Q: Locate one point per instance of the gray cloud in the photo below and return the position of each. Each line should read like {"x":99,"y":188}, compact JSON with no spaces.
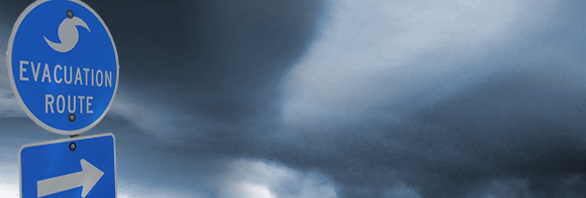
{"x":372,"y":99}
{"x":219,"y":62}
{"x":466,"y":100}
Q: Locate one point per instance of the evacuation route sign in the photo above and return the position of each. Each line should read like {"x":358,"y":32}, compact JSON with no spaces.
{"x":74,"y":167}
{"x":63,"y":65}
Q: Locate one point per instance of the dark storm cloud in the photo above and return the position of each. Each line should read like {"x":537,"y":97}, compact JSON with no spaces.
{"x":513,"y":128}
{"x":208,"y":46}
{"x":206,"y":73}
{"x":220,"y":61}
{"x":525,"y":125}
{"x":475,"y":110}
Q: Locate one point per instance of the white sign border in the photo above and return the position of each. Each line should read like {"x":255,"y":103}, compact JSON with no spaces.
{"x":12,"y":82}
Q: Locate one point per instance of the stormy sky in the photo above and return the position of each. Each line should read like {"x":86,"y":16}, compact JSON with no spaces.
{"x":336,"y":98}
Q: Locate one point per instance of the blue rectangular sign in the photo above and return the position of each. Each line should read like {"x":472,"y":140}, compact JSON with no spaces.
{"x":74,"y":167}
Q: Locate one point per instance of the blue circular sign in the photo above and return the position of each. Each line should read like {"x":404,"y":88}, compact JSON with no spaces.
{"x":63,"y":65}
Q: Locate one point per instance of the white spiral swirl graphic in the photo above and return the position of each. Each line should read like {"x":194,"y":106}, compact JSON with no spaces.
{"x":68,"y":34}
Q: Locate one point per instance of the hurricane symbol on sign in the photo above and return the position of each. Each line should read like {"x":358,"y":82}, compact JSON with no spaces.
{"x":68,"y":34}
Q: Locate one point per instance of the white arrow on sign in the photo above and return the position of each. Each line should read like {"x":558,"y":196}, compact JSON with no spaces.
{"x":87,"y":178}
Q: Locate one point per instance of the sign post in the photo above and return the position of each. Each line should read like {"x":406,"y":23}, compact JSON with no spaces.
{"x":63,"y":68}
